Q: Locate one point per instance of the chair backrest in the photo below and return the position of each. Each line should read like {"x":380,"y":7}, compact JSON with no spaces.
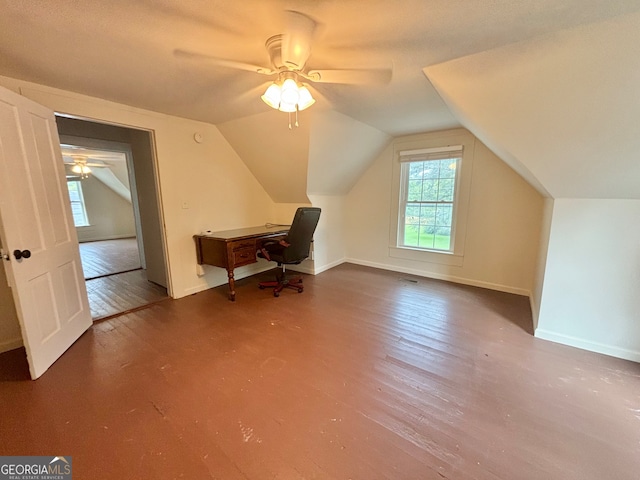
{"x":300,"y":234}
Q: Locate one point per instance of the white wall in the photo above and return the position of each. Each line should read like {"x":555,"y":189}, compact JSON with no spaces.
{"x":207,"y":178}
{"x":591,"y":296}
{"x":545,"y":231}
{"x":503,"y":226}
{"x":329,"y":247}
{"x":110,"y":216}
{"x":329,"y":243}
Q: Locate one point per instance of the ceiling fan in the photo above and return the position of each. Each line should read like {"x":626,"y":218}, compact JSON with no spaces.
{"x":81,"y":165}
{"x":289,"y":53}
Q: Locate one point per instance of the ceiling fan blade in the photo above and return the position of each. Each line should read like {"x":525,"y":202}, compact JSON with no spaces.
{"x":222,"y":62}
{"x":380,"y":76}
{"x":296,"y":41}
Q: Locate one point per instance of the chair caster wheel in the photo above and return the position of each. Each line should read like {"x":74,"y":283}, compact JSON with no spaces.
{"x":261,"y":287}
{"x":276,"y":294}
{"x":299,"y":290}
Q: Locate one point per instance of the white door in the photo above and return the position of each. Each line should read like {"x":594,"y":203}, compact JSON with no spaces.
{"x":47,"y":281}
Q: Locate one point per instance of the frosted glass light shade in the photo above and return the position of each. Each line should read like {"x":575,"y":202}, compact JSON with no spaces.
{"x":81,"y":169}
{"x":290,"y":96}
{"x":272,"y":96}
{"x":290,"y":92}
{"x":305,"y":98}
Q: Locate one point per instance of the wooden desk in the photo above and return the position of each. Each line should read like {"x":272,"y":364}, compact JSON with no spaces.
{"x":234,"y":248}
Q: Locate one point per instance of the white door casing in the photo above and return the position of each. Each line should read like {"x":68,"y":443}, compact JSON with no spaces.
{"x":48,"y":287}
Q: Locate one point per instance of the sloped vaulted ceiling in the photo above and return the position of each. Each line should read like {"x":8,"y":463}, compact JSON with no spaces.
{"x":277,"y":157}
{"x":340,"y":150}
{"x":562,"y":109}
{"x":325,"y":155}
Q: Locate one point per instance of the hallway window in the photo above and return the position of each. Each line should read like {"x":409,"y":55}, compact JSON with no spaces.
{"x":78,"y":208}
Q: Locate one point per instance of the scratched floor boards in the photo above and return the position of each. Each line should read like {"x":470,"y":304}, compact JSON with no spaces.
{"x":366,"y":375}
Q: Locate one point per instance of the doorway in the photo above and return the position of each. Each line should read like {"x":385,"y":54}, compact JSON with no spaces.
{"x":113,"y":191}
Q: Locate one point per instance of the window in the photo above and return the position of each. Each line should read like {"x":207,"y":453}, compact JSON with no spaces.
{"x":427,"y":203}
{"x":78,"y":208}
{"x":431,"y":186}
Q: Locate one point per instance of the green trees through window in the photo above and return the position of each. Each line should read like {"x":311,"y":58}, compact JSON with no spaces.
{"x":429,"y":193}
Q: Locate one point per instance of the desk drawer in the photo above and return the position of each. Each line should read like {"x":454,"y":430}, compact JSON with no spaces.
{"x":244,"y":256}
{"x":243,"y":253}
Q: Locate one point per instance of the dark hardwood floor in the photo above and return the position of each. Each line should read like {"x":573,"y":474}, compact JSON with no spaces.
{"x":114,"y":278}
{"x":366,"y":375}
{"x":122,"y":292}
{"x":107,"y":257}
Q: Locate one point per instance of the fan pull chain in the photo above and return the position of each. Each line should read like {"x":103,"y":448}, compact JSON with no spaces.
{"x":296,"y":124}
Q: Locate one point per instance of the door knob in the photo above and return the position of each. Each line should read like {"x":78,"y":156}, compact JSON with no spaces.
{"x":21,"y":254}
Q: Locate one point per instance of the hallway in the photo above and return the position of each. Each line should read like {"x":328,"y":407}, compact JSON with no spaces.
{"x":108,"y":257}
{"x":115,"y":280}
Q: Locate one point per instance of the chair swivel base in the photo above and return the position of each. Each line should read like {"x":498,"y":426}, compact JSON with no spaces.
{"x":294,"y":283}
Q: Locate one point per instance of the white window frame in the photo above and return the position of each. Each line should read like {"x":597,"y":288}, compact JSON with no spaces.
{"x":85,"y":222}
{"x":408,"y":147}
{"x":407,"y":158}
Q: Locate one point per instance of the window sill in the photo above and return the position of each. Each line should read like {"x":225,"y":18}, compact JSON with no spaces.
{"x":429,"y":256}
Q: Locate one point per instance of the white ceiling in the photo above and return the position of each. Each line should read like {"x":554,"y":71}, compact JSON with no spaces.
{"x":508,"y":70}
{"x":122,"y":50}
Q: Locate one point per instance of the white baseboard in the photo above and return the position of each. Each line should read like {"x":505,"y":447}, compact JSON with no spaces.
{"x":252,"y":270}
{"x":103,"y":238}
{"x":589,"y":345}
{"x":329,"y":266}
{"x":313,"y":269}
{"x":11,"y":344}
{"x":439,"y":276}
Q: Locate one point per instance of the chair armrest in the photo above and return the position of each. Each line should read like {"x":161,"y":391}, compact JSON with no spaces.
{"x":264,"y":247}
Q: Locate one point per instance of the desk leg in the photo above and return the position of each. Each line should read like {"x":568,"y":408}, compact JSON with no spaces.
{"x":232,"y":285}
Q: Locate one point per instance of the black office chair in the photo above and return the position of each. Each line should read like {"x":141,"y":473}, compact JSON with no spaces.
{"x":291,"y":250}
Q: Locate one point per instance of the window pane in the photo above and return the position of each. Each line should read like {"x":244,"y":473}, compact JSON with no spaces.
{"x":414,"y":191}
{"x":445,"y":190}
{"x":415,"y":170}
{"x":428,"y":215}
{"x":78,"y":209}
{"x":431,"y":169}
{"x":412,"y":215}
{"x":427,"y":237}
{"x":73,"y":191}
{"x":411,"y":235}
{"x":430,"y":190}
{"x":428,"y":206}
{"x":443,"y":215}
{"x":443,"y":238}
{"x":448,"y":168}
